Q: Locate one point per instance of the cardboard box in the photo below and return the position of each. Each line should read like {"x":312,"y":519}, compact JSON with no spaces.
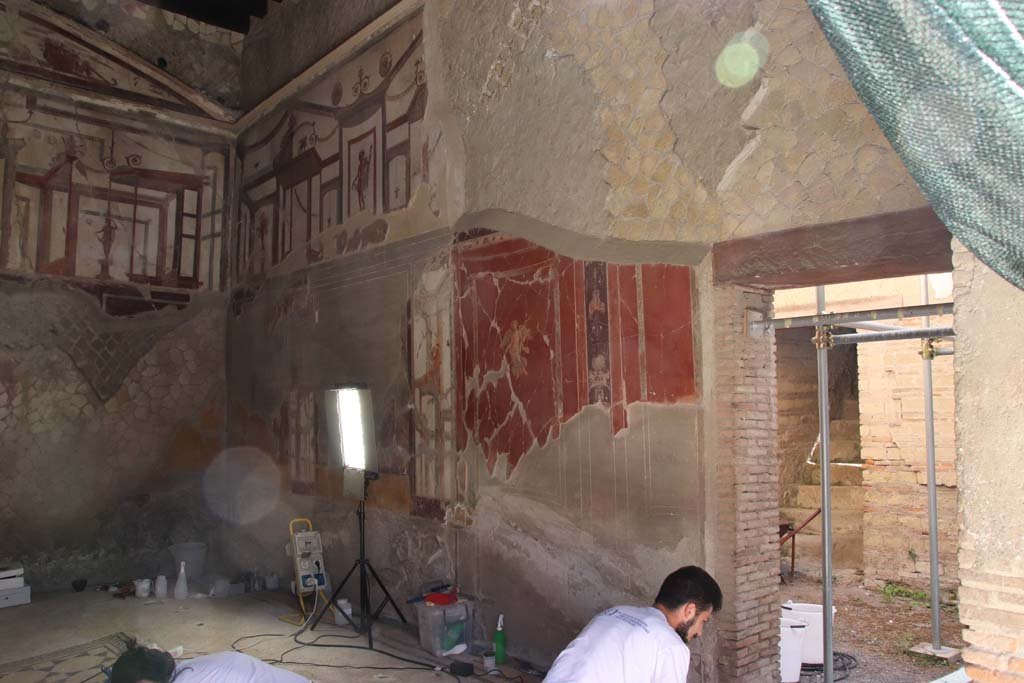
{"x":15,"y":596}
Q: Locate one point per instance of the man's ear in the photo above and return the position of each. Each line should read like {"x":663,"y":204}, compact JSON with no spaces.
{"x":689,"y":611}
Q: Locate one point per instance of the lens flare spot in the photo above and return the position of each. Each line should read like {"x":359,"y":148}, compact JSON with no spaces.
{"x":242,"y":485}
{"x":741,"y":59}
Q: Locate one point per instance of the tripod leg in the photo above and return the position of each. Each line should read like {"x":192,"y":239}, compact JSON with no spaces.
{"x":387,"y":595}
{"x":334,"y":596}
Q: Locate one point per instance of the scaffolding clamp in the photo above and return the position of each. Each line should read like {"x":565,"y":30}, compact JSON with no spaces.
{"x":823,"y":337}
{"x":928,"y":350}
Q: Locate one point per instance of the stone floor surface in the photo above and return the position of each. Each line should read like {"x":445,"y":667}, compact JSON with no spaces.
{"x":54,"y":621}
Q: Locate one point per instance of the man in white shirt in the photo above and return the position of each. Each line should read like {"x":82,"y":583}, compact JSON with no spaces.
{"x":145,"y":665}
{"x":643,"y":644}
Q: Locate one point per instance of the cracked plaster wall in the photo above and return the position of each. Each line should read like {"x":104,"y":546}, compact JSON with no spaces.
{"x":606,"y":119}
{"x":98,"y":488}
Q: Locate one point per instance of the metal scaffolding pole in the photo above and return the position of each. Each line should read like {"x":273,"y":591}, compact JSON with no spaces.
{"x":859,"y":316}
{"x":893,"y":335}
{"x":822,"y":344}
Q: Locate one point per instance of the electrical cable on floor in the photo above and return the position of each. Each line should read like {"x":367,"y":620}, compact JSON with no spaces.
{"x":842,"y":665}
{"x":497,"y":672}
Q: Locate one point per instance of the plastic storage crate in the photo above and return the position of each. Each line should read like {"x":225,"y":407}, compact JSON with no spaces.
{"x":442,"y":627}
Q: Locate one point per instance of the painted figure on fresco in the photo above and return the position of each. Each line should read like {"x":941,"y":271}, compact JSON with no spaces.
{"x":106,"y":237}
{"x":259,"y":254}
{"x":361,"y":183}
{"x":595,"y":305}
{"x":514,"y":346}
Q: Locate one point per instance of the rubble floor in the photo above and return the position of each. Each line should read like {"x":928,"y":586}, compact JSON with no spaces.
{"x":878,"y":631}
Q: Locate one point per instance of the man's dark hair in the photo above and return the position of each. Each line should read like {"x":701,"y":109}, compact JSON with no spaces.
{"x":139,"y":663}
{"x":690,"y":584}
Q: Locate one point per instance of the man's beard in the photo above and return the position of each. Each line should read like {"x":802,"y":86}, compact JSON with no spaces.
{"x":684,"y":629}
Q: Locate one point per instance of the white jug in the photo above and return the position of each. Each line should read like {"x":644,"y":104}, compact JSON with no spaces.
{"x":181,"y":585}
{"x":160,"y":588}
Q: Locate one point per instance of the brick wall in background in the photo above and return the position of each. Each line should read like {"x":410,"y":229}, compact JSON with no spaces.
{"x":892,"y":430}
{"x":746,"y":478}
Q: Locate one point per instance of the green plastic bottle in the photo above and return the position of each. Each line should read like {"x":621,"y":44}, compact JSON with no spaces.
{"x":499,"y":641}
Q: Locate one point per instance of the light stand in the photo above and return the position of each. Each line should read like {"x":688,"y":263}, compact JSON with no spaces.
{"x":366,"y":570}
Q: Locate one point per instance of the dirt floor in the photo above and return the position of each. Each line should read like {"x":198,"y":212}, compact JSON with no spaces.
{"x":878,"y":631}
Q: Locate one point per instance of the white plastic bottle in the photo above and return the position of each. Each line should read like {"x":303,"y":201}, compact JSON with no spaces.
{"x":181,"y":586}
{"x":160,"y":588}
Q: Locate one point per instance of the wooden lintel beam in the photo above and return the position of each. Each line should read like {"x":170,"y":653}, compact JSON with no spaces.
{"x":909,"y":242}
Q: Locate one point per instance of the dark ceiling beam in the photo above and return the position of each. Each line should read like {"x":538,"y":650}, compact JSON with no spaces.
{"x":910,"y":242}
{"x":230,"y":14}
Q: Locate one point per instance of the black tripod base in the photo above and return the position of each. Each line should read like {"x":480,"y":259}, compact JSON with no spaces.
{"x":366,"y":618}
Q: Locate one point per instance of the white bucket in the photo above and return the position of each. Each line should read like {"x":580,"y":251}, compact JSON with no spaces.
{"x":814,"y":638}
{"x":194,"y":557}
{"x":791,"y":643}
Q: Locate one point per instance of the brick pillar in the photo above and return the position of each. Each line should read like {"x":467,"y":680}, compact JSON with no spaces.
{"x":989,"y":372}
{"x":745,"y":480}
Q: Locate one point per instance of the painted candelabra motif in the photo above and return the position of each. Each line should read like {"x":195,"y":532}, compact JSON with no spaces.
{"x":540,"y":336}
{"x":347,"y":149}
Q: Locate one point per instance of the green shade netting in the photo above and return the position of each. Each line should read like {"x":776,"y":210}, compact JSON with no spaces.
{"x":945,"y":81}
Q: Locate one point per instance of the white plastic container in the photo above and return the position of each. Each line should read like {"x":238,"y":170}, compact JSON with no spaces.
{"x":444,"y":627}
{"x":12,"y":577}
{"x":342,"y":605}
{"x":813,"y":638}
{"x":142,"y":587}
{"x":791,"y":645}
{"x":16,"y":596}
{"x":160,"y":587}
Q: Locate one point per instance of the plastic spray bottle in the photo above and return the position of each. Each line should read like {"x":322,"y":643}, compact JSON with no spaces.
{"x":499,"y":641}
{"x":181,"y":585}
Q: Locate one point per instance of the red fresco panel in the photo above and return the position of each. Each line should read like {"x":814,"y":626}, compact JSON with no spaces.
{"x":579,"y":277}
{"x":630,"y":333}
{"x":668,"y":333}
{"x":573,"y":374}
{"x":618,"y":407}
{"x":510,"y":306}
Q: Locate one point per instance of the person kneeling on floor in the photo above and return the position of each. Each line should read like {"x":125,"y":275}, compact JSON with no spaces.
{"x":643,"y":644}
{"x":146,"y":665}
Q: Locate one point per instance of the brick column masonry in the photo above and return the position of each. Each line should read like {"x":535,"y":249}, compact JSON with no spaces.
{"x":989,"y":369}
{"x":745,"y":477}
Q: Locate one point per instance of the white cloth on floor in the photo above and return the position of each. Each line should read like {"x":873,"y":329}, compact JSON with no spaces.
{"x":232,"y":667}
{"x":624,"y":645}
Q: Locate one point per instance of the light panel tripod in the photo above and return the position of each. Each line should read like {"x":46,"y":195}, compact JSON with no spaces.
{"x":366,"y":570}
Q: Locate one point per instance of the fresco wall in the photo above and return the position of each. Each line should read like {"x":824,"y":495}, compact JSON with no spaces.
{"x":542,"y":335}
{"x":347,"y":148}
{"x":524,"y":401}
{"x":113,"y":186}
{"x":96,"y":193}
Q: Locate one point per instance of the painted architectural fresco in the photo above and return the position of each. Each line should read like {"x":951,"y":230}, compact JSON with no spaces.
{"x":96,"y":195}
{"x":350,"y":147}
{"x":43,"y":48}
{"x":540,"y":336}
{"x":435,"y":473}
